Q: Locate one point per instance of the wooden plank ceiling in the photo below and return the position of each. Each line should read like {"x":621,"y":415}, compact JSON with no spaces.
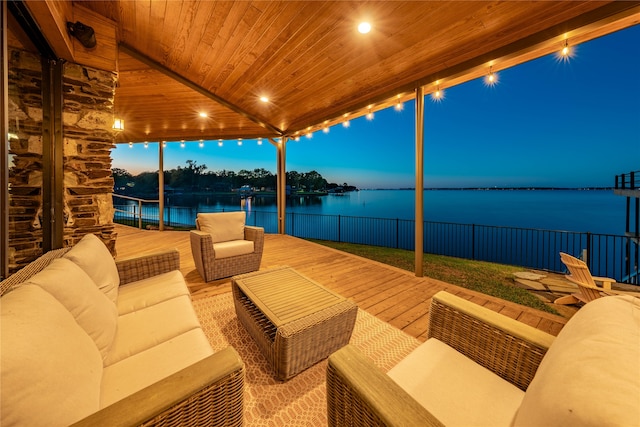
{"x":179,"y":58}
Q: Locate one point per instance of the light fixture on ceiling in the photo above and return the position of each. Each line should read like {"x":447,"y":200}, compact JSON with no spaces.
{"x":239,"y":141}
{"x":297,"y":138}
{"x":203,"y":115}
{"x":364,"y":27}
{"x":310,"y":135}
{"x":259,"y":141}
{"x":399,"y":106}
{"x":130,"y":144}
{"x":182,"y":144}
{"x":118,"y":124}
{"x":264,"y":99}
{"x":219,"y":143}
{"x":370,"y":114}
{"x":146,"y":144}
{"x":346,"y":124}
{"x":164,"y":144}
{"x":201,"y":143}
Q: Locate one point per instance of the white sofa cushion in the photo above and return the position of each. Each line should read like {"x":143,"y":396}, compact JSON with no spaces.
{"x":75,"y":290}
{"x":145,"y":368}
{"x":455,"y":389}
{"x":51,"y":369}
{"x":153,"y":290}
{"x":222,"y":226}
{"x":94,"y":258}
{"x":142,"y":329}
{"x":591,"y":374}
{"x":232,"y":248}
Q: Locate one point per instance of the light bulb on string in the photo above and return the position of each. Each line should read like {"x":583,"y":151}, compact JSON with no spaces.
{"x":491,"y":79}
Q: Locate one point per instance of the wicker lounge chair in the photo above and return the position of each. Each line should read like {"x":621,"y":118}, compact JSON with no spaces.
{"x":223,"y":246}
{"x":481,"y":368}
{"x":588,"y":288}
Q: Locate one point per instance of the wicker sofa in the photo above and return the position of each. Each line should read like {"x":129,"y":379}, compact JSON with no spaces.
{"x":478,"y":367}
{"x":89,"y":341}
{"x":223,"y":246}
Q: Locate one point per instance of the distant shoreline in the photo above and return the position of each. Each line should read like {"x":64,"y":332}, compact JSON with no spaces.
{"x":497,"y":188}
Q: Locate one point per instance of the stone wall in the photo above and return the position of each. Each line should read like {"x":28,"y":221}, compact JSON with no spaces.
{"x":88,"y":140}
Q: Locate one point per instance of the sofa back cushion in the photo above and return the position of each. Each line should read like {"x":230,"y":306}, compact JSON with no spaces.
{"x":222,"y":226}
{"x":591,"y":374}
{"x":75,"y":290}
{"x":94,"y":258}
{"x":50,"y":370}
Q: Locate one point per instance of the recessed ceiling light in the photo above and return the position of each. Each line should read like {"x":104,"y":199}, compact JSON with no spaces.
{"x":203,"y":115}
{"x":264,"y":99}
{"x":364,"y":27}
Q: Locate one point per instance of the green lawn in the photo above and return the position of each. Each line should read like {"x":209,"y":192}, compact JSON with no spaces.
{"x":486,"y":277}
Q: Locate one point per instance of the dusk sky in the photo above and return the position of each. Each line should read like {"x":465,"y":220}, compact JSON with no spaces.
{"x":547,"y":122}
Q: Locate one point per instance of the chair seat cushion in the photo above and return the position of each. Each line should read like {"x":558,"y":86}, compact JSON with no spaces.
{"x":591,"y":374}
{"x":455,"y":389}
{"x":153,"y":290}
{"x":233,"y":248}
{"x":143,"y":329}
{"x":51,"y":369}
{"x":154,"y":364}
{"x":222,"y":226}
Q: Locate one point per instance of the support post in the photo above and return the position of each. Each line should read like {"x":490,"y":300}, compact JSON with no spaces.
{"x":419,"y":213}
{"x":160,"y":186}
{"x":281,"y":191}
{"x":4,"y":138}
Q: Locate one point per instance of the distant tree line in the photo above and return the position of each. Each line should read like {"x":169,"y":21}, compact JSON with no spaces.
{"x":196,"y":178}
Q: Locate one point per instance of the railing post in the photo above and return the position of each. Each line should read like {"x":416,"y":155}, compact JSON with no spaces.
{"x":397,"y":233}
{"x":140,"y":214}
{"x":473,"y":241}
{"x":587,"y":259}
{"x":632,"y":180}
{"x":616,"y":183}
{"x":339,"y":240}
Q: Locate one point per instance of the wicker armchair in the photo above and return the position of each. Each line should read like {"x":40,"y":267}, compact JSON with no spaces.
{"x":209,"y":247}
{"x":360,"y":394}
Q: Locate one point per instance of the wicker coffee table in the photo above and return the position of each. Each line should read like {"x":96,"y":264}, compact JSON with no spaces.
{"x":295,"y":321}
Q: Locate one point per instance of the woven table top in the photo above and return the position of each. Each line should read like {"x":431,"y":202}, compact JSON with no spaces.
{"x":284,"y":295}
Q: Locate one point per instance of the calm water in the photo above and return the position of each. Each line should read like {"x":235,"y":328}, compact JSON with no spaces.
{"x":596,"y":211}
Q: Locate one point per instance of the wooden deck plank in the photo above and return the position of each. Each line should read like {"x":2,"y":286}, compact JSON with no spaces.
{"x":393,"y":295}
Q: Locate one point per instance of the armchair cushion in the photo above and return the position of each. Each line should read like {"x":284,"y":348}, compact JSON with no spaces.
{"x":222,"y":226}
{"x":233,"y":248}
{"x":51,"y":369}
{"x":590,"y":376}
{"x":74,"y":289}
{"x":455,"y":389}
{"x":94,"y":258}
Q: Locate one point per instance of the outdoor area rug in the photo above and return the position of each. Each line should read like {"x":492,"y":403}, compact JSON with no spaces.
{"x":301,"y":401}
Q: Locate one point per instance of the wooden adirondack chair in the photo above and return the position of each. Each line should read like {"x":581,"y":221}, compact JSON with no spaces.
{"x":588,"y":288}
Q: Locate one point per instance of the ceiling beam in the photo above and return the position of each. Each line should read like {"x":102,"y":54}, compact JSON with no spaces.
{"x":177,"y":77}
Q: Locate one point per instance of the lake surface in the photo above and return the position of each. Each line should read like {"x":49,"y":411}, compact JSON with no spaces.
{"x":595,"y":211}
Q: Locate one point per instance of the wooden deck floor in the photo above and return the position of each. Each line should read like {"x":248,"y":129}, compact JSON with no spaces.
{"x":393,"y":295}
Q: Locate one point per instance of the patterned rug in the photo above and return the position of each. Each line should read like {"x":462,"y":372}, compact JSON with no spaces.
{"x":301,"y":401}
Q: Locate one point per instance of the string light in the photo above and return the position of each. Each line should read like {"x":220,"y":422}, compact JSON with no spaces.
{"x":492,"y":78}
{"x":130,"y":144}
{"x":201,"y":144}
{"x":182,"y":144}
{"x":565,"y":49}
{"x":399,"y":106}
{"x":325,"y":129}
{"x":346,"y":124}
{"x":370,"y":114}
{"x":297,"y":138}
{"x":239,"y":141}
{"x":438,"y":95}
{"x":164,"y":144}
{"x":259,"y":141}
{"x":219,"y":143}
{"x":146,"y":144}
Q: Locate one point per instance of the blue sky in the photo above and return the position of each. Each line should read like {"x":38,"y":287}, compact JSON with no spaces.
{"x":546,"y":123}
